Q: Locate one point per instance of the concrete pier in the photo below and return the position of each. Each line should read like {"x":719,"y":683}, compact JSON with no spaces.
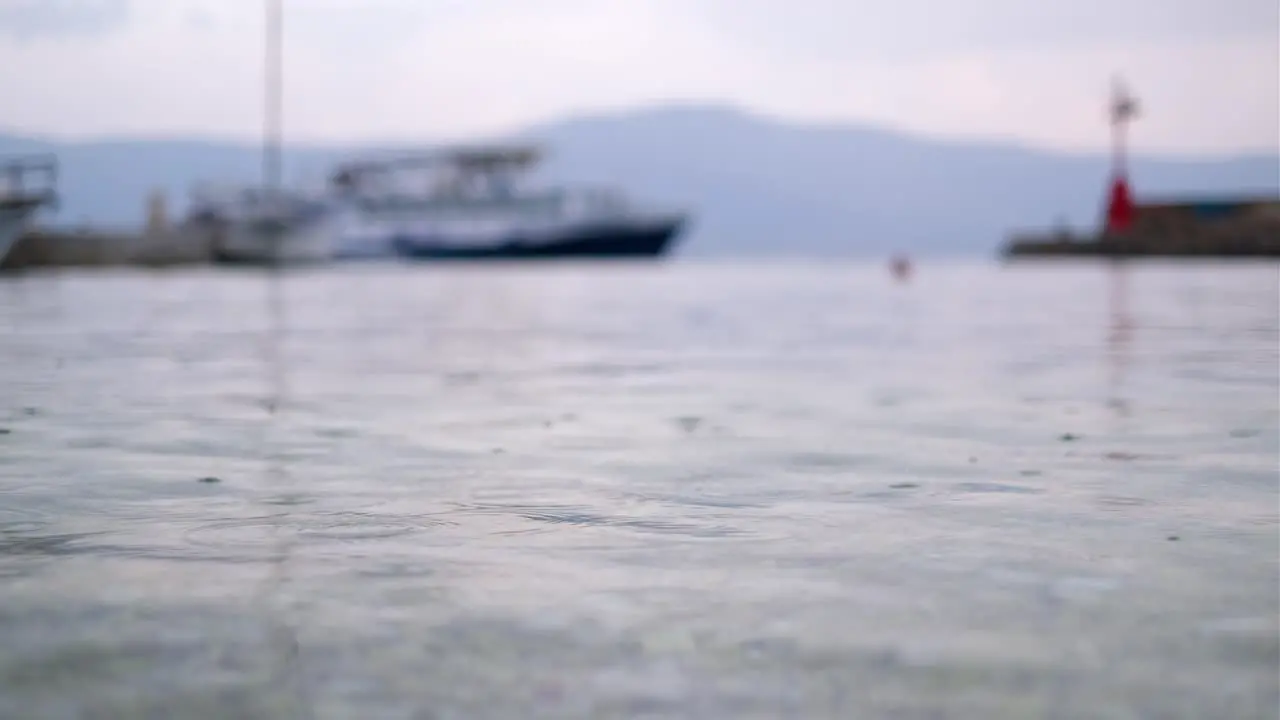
{"x":88,"y":247}
{"x":158,"y":244}
{"x":1222,"y":228}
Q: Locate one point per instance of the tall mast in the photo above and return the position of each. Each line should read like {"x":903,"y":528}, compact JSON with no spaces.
{"x":1123,"y":109}
{"x":272,"y":123}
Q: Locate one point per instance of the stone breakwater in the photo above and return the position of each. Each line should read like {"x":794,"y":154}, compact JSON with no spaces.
{"x":1230,"y":228}
{"x":90,"y":247}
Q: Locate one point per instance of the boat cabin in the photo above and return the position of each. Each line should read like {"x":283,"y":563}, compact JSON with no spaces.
{"x":463,"y":173}
{"x":29,"y":181}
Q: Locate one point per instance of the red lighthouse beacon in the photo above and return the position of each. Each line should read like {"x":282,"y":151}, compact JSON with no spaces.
{"x":1120,"y":209}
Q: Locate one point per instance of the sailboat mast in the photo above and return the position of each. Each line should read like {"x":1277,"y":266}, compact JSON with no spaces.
{"x":272,"y":129}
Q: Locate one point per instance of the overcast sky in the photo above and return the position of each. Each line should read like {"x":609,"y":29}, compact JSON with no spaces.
{"x":1206,"y":71}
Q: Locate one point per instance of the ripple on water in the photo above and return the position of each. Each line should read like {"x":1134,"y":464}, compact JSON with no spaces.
{"x":549,"y":518}
{"x":707,"y":501}
{"x":696,"y":499}
{"x":22,"y":520}
{"x":994,"y":487}
{"x":30,"y":542}
{"x":1121,"y":502}
{"x":823,"y":461}
{"x":256,"y":534}
{"x":1263,"y":520}
{"x":352,"y":527}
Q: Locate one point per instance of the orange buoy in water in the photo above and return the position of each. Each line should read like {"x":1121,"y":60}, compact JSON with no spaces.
{"x":900,"y":267}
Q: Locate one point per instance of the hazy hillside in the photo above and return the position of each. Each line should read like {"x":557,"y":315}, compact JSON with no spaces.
{"x":757,"y":186}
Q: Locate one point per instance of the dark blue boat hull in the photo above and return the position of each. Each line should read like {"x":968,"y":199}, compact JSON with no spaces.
{"x":650,"y":240}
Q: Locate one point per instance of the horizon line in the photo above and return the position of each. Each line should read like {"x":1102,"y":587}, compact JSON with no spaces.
{"x":534,"y":127}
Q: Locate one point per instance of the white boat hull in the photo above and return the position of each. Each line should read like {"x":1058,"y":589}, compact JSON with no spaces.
{"x":296,"y":241}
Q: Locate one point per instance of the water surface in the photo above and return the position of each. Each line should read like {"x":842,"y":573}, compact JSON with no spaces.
{"x":674,"y":491}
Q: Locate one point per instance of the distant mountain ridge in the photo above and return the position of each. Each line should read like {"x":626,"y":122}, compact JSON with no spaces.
{"x":755,"y":185}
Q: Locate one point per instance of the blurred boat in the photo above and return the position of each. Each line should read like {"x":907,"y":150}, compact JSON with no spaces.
{"x":252,"y":226}
{"x":474,"y":203}
{"x":26,"y":185}
{"x":268,"y":226}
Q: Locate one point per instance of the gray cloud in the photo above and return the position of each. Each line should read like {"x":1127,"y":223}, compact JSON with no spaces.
{"x":201,"y":19}
{"x":369,"y":25}
{"x":25,"y":19}
{"x":415,"y":68}
{"x":918,"y":29}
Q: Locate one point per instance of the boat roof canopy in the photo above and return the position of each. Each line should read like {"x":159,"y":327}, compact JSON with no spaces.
{"x":481,"y":158}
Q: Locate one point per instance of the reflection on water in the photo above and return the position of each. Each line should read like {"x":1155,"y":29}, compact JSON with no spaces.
{"x":1120,"y":334}
{"x":277,"y":607}
{"x":673,"y":491}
